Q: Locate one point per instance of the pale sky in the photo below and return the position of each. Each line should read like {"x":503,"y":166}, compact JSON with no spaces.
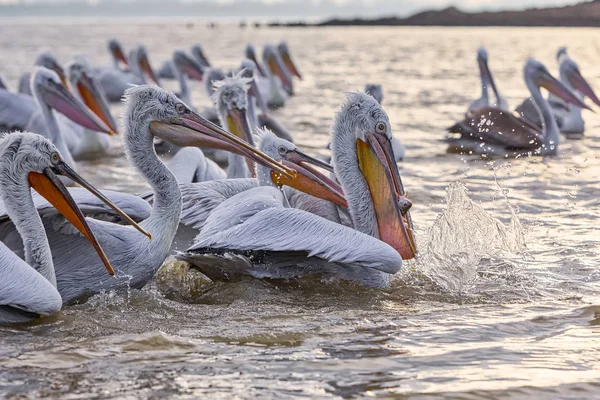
{"x":288,"y":9}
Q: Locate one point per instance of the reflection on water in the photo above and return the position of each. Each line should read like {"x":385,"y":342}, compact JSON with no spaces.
{"x":502,"y":301}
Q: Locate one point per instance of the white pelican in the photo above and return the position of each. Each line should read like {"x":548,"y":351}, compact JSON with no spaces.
{"x":149,"y":111}
{"x":489,"y":130}
{"x":568,"y":116}
{"x":47,"y":60}
{"x":487,"y":82}
{"x":115,"y":81}
{"x":166,"y":70}
{"x":185,"y":67}
{"x":278,"y":84}
{"x":376,"y":91}
{"x":87,"y":143}
{"x":28,"y":285}
{"x":251,"y":55}
{"x":286,"y":57}
{"x":118,"y":55}
{"x":35,"y":114}
{"x":254,"y":233}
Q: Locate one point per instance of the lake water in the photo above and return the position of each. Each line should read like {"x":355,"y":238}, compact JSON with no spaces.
{"x":503,"y":302}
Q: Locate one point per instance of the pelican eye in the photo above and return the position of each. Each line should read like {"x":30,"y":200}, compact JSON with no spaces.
{"x":181,"y":109}
{"x":54,"y":157}
{"x":381,"y":128}
{"x":282,"y":150}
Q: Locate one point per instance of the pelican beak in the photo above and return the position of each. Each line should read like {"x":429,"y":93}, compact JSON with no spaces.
{"x":52,"y":189}
{"x":487,"y":74}
{"x":145,"y":65}
{"x":191,"y":129}
{"x":237,"y":123}
{"x":309,"y":180}
{"x":120,"y":56}
{"x":93,"y":97}
{"x":291,"y":66}
{"x":61,"y":74}
{"x":260,"y":68}
{"x":557,"y":88}
{"x":62,"y":100}
{"x":203,"y":59}
{"x":578,"y":82}
{"x":192,"y":69}
{"x":276,"y":68}
{"x":260,"y":101}
{"x":376,"y":161}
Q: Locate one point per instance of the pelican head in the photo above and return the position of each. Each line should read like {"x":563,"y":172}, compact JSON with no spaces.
{"x":32,"y":160}
{"x":248,"y":70}
{"x":47,"y":60}
{"x":308,"y":179}
{"x":48,"y":88}
{"x":569,"y":72}
{"x":284,"y":51}
{"x":539,"y":75}
{"x":562,"y":52}
{"x":84,"y":84}
{"x":140,"y":55}
{"x":484,"y":70}
{"x":276,"y":67}
{"x":211,"y":76}
{"x":169,"y":119}
{"x":198,"y":54}
{"x":188,"y":66}
{"x":363,"y":159}
{"x":375,"y":90}
{"x":115,"y":49}
{"x":251,"y":55}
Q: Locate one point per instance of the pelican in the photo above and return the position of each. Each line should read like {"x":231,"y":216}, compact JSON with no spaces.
{"x":115,"y":81}
{"x":166,"y":70}
{"x":88,"y":143}
{"x":487,"y":81}
{"x":569,"y":117}
{"x":254,"y":233}
{"x":278,"y":84}
{"x":118,"y":55}
{"x":28,"y":286}
{"x":286,"y":57}
{"x":149,"y":111}
{"x":184,"y":67}
{"x":250,"y":54}
{"x":376,"y":91}
{"x":47,"y":60}
{"x":489,"y":130}
{"x":22,"y":112}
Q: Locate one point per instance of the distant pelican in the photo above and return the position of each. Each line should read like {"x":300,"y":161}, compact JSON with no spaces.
{"x":487,"y":82}
{"x":149,"y":111}
{"x":22,"y":112}
{"x":47,"y":60}
{"x":118,"y":55}
{"x":254,"y":233}
{"x":250,"y":54}
{"x":568,"y":116}
{"x":491,"y":131}
{"x":28,"y":284}
{"x":115,"y":81}
{"x":185,"y":67}
{"x":166,"y":70}
{"x":278,"y":84}
{"x":286,"y":57}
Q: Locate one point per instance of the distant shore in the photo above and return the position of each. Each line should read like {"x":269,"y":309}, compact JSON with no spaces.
{"x":585,"y":14}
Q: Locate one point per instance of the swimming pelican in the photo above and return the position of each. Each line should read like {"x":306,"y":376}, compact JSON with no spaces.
{"x":166,"y":70}
{"x":254,"y":233}
{"x":115,"y":81}
{"x":278,"y":84}
{"x":376,"y":91}
{"x":568,"y":117}
{"x":87,"y":143}
{"x":184,"y":67}
{"x":487,"y":82}
{"x":47,"y":60}
{"x":118,"y":55}
{"x":35,"y":114}
{"x":489,"y":130}
{"x":28,"y":285}
{"x":149,"y":111}
{"x":286,"y":57}
{"x":250,"y":54}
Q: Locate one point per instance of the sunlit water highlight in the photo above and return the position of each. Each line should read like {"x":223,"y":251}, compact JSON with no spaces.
{"x":502,"y":302}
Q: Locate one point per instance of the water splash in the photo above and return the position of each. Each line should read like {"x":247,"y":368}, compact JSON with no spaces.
{"x":462,"y":236}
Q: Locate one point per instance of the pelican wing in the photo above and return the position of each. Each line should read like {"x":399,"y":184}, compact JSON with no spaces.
{"x":24,"y":293}
{"x":16,"y":110}
{"x":281,"y":242}
{"x":189,"y":165}
{"x":500,"y":128}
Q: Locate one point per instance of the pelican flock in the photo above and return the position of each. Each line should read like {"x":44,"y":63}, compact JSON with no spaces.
{"x":232,"y":194}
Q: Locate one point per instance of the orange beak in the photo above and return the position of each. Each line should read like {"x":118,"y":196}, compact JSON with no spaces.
{"x":94,"y":99}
